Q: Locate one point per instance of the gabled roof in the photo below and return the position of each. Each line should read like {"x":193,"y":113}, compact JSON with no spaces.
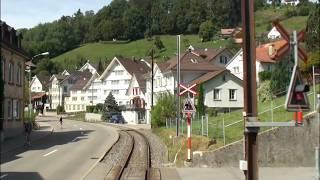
{"x":210,"y":53}
{"x":95,"y":66}
{"x":44,"y":80}
{"x":211,"y":75}
{"x":79,"y":79}
{"x":262,"y":51}
{"x":191,"y":61}
{"x":131,"y":66}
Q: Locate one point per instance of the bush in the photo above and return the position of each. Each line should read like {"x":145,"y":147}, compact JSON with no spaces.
{"x":211,"y":111}
{"x":165,"y":109}
{"x":99,"y":107}
{"x":60,"y":109}
{"x":303,"y":11}
{"x":264,"y":75}
{"x":290,"y":13}
{"x":90,"y":109}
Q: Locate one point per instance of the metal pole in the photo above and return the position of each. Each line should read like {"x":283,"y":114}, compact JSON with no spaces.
{"x":223,"y":132}
{"x":317,"y":163}
{"x":152,"y":66}
{"x":30,"y":105}
{"x":314,"y":88}
{"x":189,"y":136}
{"x":201,"y":125}
{"x":178,"y":87}
{"x":250,"y":92}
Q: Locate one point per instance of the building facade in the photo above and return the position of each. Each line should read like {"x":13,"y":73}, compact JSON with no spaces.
{"x":13,"y":60}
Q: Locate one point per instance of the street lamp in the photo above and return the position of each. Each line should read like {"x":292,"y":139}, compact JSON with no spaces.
{"x":30,"y":105}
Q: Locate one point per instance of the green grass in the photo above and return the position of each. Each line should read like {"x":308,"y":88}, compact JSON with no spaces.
{"x":138,"y":49}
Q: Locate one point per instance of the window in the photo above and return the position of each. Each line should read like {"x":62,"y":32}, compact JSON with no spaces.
{"x":118,"y":72}
{"x":223,"y":60}
{"x":120,"y":103}
{"x":236,"y":69}
{"x":115,"y":91}
{"x":3,"y":61}
{"x":10,"y":72}
{"x":18,"y":110}
{"x":115,"y":82}
{"x":74,"y":98}
{"x":232,"y":94}
{"x":18,"y":78}
{"x":82,"y":98}
{"x":216,"y":94}
{"x":9,"y":109}
{"x":65,"y":89}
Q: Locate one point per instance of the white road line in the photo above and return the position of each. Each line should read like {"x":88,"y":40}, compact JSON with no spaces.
{"x":75,"y":139}
{"x":1,"y":177}
{"x":50,"y":153}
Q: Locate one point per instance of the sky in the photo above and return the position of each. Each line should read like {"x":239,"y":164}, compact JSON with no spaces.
{"x":29,"y":13}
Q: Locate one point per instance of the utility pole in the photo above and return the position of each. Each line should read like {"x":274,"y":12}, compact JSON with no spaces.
{"x":152,"y":75}
{"x":250,"y":92}
{"x":178,"y":87}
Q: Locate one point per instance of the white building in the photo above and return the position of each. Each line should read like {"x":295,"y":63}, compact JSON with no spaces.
{"x":267,"y":56}
{"x":222,"y":90}
{"x":55,"y":90}
{"x":193,"y":65}
{"x":39,"y":84}
{"x":89,"y":66}
{"x":274,"y":34}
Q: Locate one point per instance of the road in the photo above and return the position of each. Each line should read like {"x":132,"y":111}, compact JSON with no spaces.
{"x":68,"y":153}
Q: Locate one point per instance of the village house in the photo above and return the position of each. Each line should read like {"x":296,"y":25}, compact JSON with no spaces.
{"x":13,"y":59}
{"x":274,"y":34}
{"x":194,"y":66}
{"x":55,"y":90}
{"x":89,"y":66}
{"x":267,"y":55}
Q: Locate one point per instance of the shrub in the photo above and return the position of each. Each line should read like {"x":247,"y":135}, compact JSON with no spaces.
{"x":99,"y":107}
{"x":303,"y":11}
{"x":60,"y":109}
{"x":290,"y":13}
{"x":165,"y":109}
{"x":90,"y":109}
{"x":264,"y":75}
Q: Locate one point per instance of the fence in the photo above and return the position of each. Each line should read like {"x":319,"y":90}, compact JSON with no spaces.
{"x":228,"y":127}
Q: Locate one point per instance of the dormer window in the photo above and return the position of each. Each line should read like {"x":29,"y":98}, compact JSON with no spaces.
{"x":223,"y":60}
{"x":194,"y":60}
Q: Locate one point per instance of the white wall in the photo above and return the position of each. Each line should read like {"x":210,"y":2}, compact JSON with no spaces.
{"x":54,"y":93}
{"x":236,"y":65}
{"x":230,"y":82}
{"x":274,"y":34}
{"x":36,"y":85}
{"x":224,"y":54}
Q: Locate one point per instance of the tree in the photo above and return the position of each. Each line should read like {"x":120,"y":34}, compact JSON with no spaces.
{"x":110,"y":106}
{"x":165,"y":109}
{"x":158,"y":43}
{"x":206,"y":31}
{"x":200,"y":105}
{"x":313,"y":30}
{"x":264,"y":91}
{"x":100,"y":67}
{"x":280,"y":77}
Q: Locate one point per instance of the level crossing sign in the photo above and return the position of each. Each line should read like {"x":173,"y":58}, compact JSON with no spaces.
{"x":187,"y":89}
{"x":188,"y":106}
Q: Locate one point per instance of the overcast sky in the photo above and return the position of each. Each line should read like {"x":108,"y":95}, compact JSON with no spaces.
{"x":29,"y":13}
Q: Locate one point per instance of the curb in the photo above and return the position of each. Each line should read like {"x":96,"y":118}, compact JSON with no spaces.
{"x":101,"y":157}
{"x":34,"y":140}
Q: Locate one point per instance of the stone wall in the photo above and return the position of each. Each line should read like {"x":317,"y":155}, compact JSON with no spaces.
{"x":279,"y":147}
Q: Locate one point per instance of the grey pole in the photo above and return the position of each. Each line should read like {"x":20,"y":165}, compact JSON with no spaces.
{"x":317,"y":163}
{"x":314,"y":88}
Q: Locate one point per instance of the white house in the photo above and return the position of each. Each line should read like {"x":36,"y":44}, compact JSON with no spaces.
{"x":55,"y":90}
{"x":192,"y":66}
{"x":76,"y":99}
{"x":222,"y":90}
{"x":267,"y":56}
{"x":274,"y":34}
{"x":286,"y":2}
{"x":89,"y":66}
{"x":39,"y":83}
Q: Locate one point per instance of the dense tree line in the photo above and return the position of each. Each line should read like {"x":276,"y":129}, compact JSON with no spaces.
{"x":131,"y":20}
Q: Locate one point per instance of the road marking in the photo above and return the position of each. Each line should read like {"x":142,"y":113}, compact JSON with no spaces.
{"x":1,"y":177}
{"x":50,"y":153}
{"x":75,"y":139}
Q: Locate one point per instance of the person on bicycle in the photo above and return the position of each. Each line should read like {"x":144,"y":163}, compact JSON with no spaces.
{"x":60,"y":121}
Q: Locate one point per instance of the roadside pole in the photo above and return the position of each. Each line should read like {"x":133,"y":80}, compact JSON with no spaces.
{"x":178,"y":86}
{"x":189,"y":136}
{"x":250,"y":92}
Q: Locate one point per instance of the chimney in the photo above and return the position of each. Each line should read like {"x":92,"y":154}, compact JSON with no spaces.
{"x":271,"y":49}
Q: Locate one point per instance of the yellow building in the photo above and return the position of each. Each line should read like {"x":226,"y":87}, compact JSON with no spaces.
{"x":13,"y":60}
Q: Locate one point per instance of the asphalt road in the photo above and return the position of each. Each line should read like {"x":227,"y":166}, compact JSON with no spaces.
{"x":69,"y":153}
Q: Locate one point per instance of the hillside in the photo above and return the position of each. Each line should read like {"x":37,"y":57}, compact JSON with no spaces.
{"x":106,"y":51}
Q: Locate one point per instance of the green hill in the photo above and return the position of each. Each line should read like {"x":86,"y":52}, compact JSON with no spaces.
{"x":107,"y":50}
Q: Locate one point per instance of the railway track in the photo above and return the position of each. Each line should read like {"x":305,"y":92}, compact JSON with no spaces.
{"x":128,"y":159}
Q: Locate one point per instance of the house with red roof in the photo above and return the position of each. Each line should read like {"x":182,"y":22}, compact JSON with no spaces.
{"x":267,"y":55}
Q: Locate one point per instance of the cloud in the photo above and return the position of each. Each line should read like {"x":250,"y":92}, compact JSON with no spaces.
{"x":29,"y":13}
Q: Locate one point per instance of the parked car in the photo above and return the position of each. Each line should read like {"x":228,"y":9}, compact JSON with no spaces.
{"x":117,"y":118}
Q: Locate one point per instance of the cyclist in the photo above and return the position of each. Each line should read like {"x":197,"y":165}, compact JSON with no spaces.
{"x":61,"y":121}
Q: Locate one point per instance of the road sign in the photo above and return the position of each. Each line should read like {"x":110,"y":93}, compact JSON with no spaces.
{"x":187,"y":89}
{"x":297,"y":99}
{"x":188,"y":106}
{"x":284,"y":33}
